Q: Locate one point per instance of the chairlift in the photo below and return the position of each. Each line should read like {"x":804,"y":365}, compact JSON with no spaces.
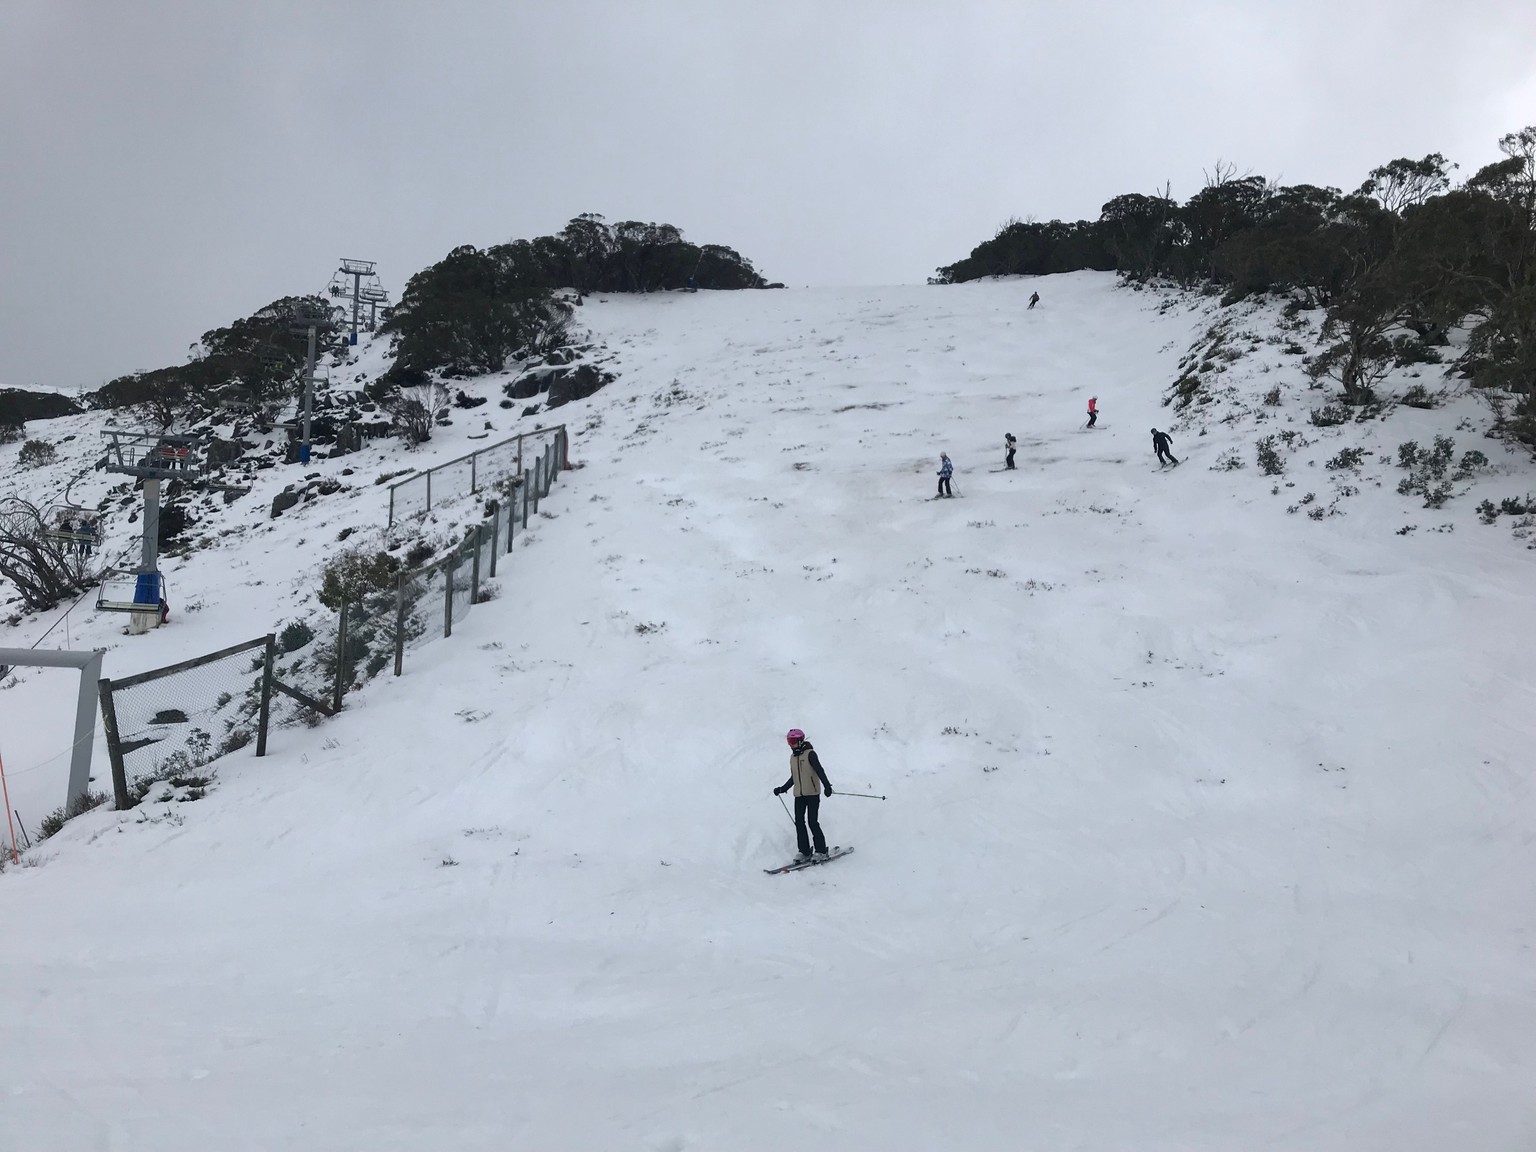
{"x":131,"y":592}
{"x":80,"y":528}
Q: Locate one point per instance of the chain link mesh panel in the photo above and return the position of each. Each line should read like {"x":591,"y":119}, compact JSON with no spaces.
{"x":174,"y":722}
{"x":459,"y":568}
{"x":411,"y":497}
{"x":480,"y":471}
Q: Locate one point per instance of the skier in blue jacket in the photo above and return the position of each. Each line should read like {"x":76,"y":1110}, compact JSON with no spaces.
{"x":946,"y":470}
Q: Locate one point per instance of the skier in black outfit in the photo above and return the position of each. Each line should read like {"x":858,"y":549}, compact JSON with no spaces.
{"x":1034,"y":298}
{"x":1010,"y":445}
{"x":1162,"y":444}
{"x":807,"y":779}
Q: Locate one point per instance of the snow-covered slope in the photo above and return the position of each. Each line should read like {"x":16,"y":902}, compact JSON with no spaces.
{"x":1208,"y":826}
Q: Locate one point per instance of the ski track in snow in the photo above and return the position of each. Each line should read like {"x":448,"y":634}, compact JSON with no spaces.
{"x":1209,"y":827}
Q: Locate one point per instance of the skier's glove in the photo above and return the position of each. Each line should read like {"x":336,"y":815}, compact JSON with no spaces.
{"x":779,"y":791}
{"x":829,"y":789}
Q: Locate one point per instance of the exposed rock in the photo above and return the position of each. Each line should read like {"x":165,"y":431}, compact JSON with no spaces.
{"x":283,"y":501}
{"x":221,"y":452}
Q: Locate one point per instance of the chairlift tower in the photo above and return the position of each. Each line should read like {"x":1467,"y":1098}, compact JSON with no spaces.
{"x":372,"y":293}
{"x":313,"y":321}
{"x":150,"y":457}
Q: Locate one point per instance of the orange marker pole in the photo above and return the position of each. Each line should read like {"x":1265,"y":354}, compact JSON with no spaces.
{"x":5,"y":791}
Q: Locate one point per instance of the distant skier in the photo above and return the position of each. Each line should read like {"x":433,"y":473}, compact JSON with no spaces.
{"x":807,"y":779}
{"x":1093,"y":411}
{"x":1162,"y":444}
{"x":946,"y":470}
{"x":1034,"y":298}
{"x":1010,"y":446}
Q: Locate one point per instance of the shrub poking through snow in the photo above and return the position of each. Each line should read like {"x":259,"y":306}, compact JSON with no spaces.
{"x":294,"y":636}
{"x":1470,"y":462}
{"x":1270,"y":461}
{"x":1347,"y":458}
{"x":1330,"y":415}
{"x":36,"y":453}
{"x":354,"y":574}
{"x":1427,"y":469}
{"x":55,"y":820}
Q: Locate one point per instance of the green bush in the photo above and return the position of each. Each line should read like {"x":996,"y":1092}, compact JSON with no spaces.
{"x":55,"y":820}
{"x":1347,"y":458}
{"x":1470,"y":461}
{"x":36,"y":453}
{"x":1270,"y":461}
{"x":294,"y":636}
{"x":1330,"y":415}
{"x":355,"y":573}
{"x":1427,"y":469}
{"x":1408,"y":350}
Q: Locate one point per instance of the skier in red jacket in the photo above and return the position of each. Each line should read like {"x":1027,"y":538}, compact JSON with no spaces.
{"x":1093,"y":410}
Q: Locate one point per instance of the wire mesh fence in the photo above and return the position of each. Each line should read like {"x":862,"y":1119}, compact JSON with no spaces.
{"x":480,"y":470}
{"x":434,"y":600}
{"x":176,"y":719}
{"x":172,"y":721}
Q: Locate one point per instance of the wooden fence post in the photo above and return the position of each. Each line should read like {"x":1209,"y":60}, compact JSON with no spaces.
{"x":114,"y":746}
{"x":400,"y":623}
{"x":264,"y":720}
{"x":338,"y":686}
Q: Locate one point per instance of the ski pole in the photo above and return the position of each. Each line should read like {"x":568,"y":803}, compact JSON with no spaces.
{"x":785,"y":807}
{"x":860,"y":795}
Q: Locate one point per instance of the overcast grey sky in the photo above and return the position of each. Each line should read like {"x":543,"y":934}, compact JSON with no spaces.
{"x":167,"y":167}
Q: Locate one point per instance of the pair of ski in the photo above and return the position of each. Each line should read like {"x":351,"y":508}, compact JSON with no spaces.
{"x":797,"y":865}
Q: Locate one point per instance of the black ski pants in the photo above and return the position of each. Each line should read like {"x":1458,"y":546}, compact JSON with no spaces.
{"x":1008,"y":463}
{"x":944,"y":486}
{"x":806,"y":810}
{"x":1162,"y":452}
{"x":1093,"y":418}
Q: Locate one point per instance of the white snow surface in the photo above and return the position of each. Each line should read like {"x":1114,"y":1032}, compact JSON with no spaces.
{"x":1207,"y":826}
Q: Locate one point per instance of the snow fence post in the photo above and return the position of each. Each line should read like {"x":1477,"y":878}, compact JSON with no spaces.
{"x":400,"y":623}
{"x":339,"y":683}
{"x":478,"y":537}
{"x":495,"y":536}
{"x":114,"y":746}
{"x":448,"y":566}
{"x":264,"y":718}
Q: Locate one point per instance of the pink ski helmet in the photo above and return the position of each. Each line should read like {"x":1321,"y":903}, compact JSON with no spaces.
{"x":794,"y":736}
